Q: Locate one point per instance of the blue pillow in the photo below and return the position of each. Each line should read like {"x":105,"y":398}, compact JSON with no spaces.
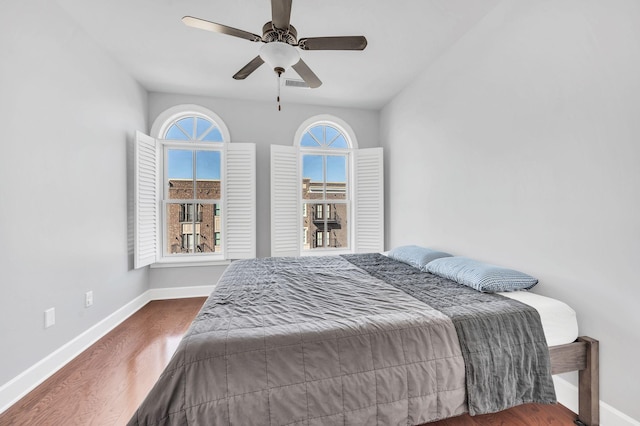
{"x":416,"y":256}
{"x":481,"y":276}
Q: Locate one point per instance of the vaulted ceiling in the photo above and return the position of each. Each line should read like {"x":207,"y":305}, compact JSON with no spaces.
{"x":404,"y":37}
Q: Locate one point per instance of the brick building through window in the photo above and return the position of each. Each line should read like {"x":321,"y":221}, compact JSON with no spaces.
{"x":193,"y":227}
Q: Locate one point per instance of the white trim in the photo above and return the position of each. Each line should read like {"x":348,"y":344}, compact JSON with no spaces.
{"x":327,"y":251}
{"x":190,"y":145}
{"x":16,"y":388}
{"x":184,"y":263}
{"x":180,"y":292}
{"x":567,"y":395}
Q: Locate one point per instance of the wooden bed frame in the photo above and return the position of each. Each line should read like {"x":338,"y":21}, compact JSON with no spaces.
{"x":581,"y":355}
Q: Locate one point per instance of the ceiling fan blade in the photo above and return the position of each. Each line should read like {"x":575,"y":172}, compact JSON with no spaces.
{"x":190,"y":21}
{"x":281,"y":13}
{"x":307,"y":75}
{"x":333,"y":43}
{"x":249,"y":68}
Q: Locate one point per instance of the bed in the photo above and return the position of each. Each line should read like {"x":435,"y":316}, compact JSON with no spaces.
{"x":362,"y":339}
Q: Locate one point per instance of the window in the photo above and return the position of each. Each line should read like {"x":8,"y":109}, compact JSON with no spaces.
{"x":329,"y":183}
{"x":192,"y":176}
{"x":325,"y":185}
{"x":193,"y":128}
{"x":192,"y":185}
{"x":183,"y":213}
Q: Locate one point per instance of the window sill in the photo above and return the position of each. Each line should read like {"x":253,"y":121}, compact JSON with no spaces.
{"x":325,"y":252}
{"x":183,"y":263}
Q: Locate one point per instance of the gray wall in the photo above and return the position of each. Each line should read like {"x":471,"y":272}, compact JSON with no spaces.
{"x":67,"y":111}
{"x":262,"y":124}
{"x":521,"y":147}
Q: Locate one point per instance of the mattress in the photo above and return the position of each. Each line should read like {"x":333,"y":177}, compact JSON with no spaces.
{"x":559,"y":321}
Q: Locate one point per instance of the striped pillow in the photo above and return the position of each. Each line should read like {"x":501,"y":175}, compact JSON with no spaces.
{"x":416,"y":256}
{"x":481,"y":276}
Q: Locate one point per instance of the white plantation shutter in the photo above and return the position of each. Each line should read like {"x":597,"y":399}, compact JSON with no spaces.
{"x":369,"y":200}
{"x":239,"y":212}
{"x":285,"y":199}
{"x":146,"y":201}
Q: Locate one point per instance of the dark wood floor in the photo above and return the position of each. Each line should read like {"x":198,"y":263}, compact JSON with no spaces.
{"x":524,"y":415}
{"x":105,"y":384}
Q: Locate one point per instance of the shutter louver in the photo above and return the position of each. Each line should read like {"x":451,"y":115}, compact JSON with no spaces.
{"x":240,"y":201}
{"x":285,"y":197}
{"x":146,"y":201}
{"x":369,"y":200}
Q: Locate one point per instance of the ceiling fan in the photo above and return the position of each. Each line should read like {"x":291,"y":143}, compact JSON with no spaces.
{"x":280,"y":38}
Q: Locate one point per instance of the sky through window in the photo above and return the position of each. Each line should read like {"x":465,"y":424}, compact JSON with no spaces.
{"x":313,"y":166}
{"x":182,"y":163}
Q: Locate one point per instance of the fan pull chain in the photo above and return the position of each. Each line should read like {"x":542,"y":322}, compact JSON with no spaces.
{"x":278,"y":80}
{"x":279,"y":71}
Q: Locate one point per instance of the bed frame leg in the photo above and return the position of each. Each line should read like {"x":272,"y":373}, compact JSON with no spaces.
{"x":589,"y":386}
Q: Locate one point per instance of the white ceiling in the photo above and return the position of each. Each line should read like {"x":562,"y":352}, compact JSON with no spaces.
{"x":149,"y":40}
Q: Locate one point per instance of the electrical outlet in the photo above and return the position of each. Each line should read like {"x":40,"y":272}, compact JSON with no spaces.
{"x":88,"y":299}
{"x":49,"y":317}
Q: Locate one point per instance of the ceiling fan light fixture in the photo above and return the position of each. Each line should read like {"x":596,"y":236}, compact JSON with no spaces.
{"x":279,"y":55}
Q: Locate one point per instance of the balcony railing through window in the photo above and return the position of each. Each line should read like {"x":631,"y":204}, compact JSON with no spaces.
{"x":331,"y":215}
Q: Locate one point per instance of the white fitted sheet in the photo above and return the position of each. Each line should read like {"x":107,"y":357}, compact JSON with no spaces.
{"x":559,"y":321}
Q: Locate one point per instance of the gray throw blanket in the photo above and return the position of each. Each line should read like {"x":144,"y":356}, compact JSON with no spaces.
{"x":502,"y":341}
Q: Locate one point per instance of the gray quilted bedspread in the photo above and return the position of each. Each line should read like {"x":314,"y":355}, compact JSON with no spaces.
{"x":315,"y":341}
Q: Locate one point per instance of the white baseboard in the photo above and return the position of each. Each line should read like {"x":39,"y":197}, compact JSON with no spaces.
{"x":25,"y":382}
{"x":180,"y":292}
{"x":567,"y":394}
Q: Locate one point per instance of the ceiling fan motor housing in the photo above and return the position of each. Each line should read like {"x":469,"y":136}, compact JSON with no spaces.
{"x":270,"y":34}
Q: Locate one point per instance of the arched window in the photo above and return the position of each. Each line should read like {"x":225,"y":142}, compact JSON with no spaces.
{"x":194,"y":128}
{"x":325,"y":154}
{"x":324,"y":135}
{"x":325,"y":131}
{"x":326,"y":194}
{"x":190,"y":123}
{"x":196,"y":165}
